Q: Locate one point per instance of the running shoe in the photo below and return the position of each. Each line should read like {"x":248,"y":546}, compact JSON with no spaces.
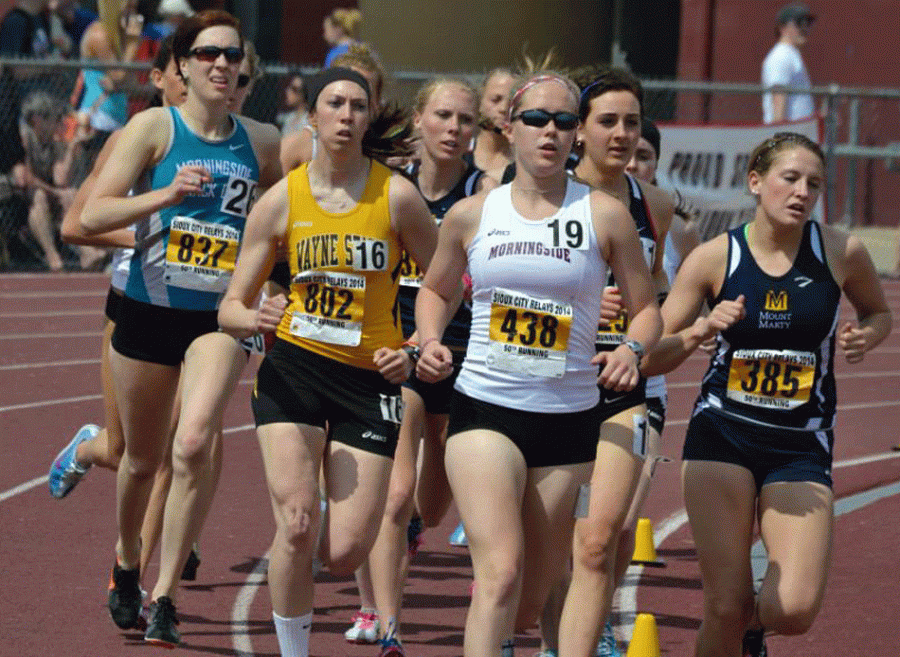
{"x":546,"y":653}
{"x":189,"y":572}
{"x":754,"y":644}
{"x":458,"y":537}
{"x":65,"y":472}
{"x":161,"y":628}
{"x":607,"y":647}
{"x":124,"y":600}
{"x":364,"y":629}
{"x":414,"y":536}
{"x":391,"y":648}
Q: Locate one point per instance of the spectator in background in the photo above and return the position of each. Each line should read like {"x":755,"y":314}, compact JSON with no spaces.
{"x":48,"y":166}
{"x":25,"y":31}
{"x":171,"y":13}
{"x":68,"y":21}
{"x":295,"y":116}
{"x":784,"y":66}
{"x":340,"y":30}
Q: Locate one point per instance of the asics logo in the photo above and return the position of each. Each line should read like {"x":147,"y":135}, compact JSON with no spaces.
{"x":497,"y":232}
{"x":371,"y":435}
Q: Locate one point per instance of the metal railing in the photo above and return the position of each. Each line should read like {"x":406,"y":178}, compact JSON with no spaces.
{"x":857,"y":121}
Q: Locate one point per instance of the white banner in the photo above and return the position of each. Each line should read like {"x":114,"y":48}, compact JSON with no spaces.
{"x":706,"y":167}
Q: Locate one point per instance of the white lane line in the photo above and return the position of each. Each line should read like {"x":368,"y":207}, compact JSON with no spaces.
{"x":240,"y":611}
{"x":49,"y":402}
{"x":49,"y":336}
{"x":52,"y":363}
{"x":72,"y":400}
{"x":626,"y":595}
{"x":37,"y":481}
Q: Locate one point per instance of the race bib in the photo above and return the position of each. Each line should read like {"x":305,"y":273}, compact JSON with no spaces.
{"x":330,"y":308}
{"x":238,"y":196}
{"x":410,"y":274}
{"x":528,"y":335}
{"x":614,"y":333}
{"x":200,"y":255}
{"x":571,"y":233}
{"x":367,"y":254}
{"x":771,"y":378}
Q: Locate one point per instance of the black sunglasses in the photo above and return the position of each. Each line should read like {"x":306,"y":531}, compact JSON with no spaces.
{"x":233,"y":54}
{"x":538,"y":118}
{"x":243,"y":80}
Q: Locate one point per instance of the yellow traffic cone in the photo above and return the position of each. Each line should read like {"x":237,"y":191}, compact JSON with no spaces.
{"x":645,"y":640}
{"x":644,"y":550}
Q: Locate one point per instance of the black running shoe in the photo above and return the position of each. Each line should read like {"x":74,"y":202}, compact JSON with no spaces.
{"x":124,"y":600}
{"x":754,"y":644}
{"x":189,"y":573}
{"x":161,"y":627}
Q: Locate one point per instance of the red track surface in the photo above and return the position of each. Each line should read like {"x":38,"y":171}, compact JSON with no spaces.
{"x":56,"y":555}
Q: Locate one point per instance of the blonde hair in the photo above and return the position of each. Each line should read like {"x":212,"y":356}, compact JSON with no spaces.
{"x":360,"y":56}
{"x":426,"y":91}
{"x":347,"y":20}
{"x":253,"y":60}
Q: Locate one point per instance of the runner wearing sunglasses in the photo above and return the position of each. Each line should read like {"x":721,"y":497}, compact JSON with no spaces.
{"x":201,"y":166}
{"x":538,"y":250}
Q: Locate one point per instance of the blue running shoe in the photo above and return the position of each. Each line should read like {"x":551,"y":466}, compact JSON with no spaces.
{"x":607,"y":647}
{"x":65,"y":473}
{"x":458,"y":537}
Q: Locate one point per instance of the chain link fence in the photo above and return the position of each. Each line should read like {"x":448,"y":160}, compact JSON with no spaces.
{"x":861,"y":136}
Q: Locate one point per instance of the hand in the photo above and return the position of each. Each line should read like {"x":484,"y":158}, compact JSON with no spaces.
{"x":708,"y":347}
{"x":610,"y":305}
{"x":395,"y":365}
{"x":852,"y":341}
{"x":725,"y":315}
{"x":133,"y":26}
{"x":189,"y":181}
{"x":618,"y":369}
{"x":435,"y":362}
{"x":270,"y":312}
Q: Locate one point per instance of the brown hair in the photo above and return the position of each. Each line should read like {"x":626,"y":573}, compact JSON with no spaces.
{"x":190,"y":27}
{"x":607,"y":79}
{"x":426,"y":91}
{"x":764,"y":155}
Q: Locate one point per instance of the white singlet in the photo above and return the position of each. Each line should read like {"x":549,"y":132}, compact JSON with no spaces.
{"x":536,"y":301}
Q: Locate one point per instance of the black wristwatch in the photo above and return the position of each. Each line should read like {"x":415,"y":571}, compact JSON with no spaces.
{"x":411,"y":350}
{"x":636,"y":347}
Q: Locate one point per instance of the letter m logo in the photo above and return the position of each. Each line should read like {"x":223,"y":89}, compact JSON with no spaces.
{"x":776,"y":301}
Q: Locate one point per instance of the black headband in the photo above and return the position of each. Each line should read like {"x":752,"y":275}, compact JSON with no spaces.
{"x":323,"y":78}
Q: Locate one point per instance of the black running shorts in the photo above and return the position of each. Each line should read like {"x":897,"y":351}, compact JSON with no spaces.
{"x":358,"y":407}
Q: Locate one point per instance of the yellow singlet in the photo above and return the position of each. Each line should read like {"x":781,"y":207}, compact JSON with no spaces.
{"x":344,"y":273}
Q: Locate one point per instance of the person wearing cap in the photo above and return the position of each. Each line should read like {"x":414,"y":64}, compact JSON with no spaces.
{"x":171,"y":13}
{"x":784,"y":67}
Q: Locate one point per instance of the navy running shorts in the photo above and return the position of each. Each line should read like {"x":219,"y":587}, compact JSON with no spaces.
{"x":771,"y":454}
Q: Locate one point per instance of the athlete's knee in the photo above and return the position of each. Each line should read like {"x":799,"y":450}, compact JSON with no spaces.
{"x":729,"y":609}
{"x":346,"y":555}
{"x":299,"y":524}
{"x":499,"y":578}
{"x":595,"y":545}
{"x":399,"y":500}
{"x":191,"y":449}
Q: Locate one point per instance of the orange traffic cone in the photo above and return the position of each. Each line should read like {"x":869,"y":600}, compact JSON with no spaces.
{"x":644,"y":549}
{"x":645,"y":640}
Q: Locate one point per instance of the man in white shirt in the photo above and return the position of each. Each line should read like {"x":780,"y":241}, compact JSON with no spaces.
{"x":784,"y":66}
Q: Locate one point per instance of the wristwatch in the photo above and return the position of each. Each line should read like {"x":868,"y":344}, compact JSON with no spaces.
{"x":636,"y":347}
{"x":412,"y":351}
